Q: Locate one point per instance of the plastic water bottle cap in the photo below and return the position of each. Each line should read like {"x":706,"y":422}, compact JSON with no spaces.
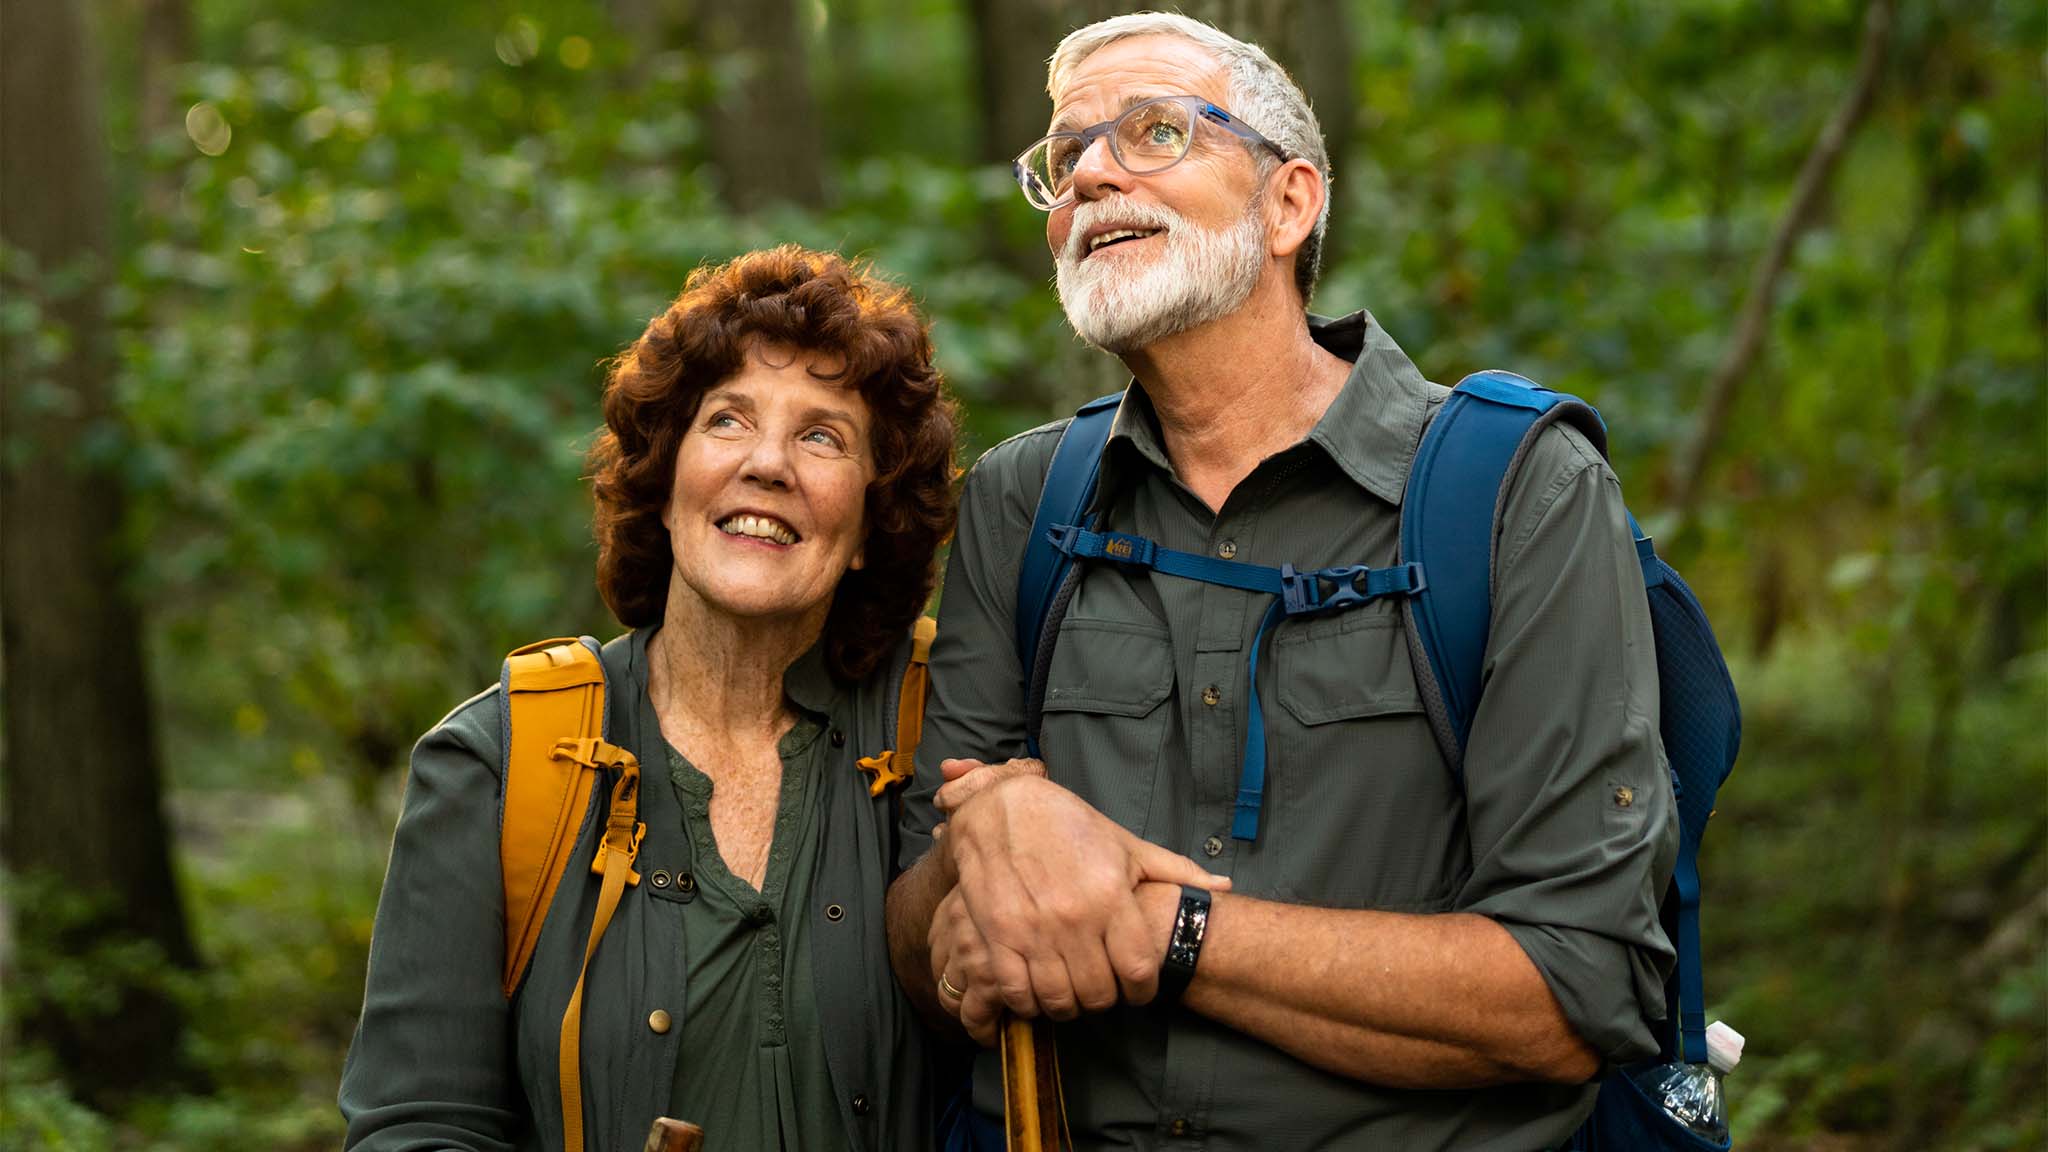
{"x":1724,"y":1047}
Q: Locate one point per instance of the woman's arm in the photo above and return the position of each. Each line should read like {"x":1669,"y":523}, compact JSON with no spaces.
{"x":431,"y":1064}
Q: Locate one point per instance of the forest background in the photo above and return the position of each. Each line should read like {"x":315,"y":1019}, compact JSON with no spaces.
{"x":305,"y":311}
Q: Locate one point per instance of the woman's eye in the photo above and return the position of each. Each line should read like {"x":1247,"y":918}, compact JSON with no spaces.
{"x":722,"y":420}
{"x":824,"y":438}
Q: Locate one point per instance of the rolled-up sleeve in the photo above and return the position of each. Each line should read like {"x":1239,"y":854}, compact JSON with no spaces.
{"x":975,"y":706}
{"x":431,"y":1063}
{"x":1570,"y":808}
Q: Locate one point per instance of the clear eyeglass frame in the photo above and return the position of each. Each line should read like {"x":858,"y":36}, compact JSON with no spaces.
{"x":1148,"y":138}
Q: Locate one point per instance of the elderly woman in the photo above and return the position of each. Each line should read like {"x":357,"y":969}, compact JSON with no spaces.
{"x":774,"y":479}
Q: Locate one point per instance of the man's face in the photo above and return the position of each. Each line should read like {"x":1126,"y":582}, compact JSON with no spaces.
{"x":1200,"y":240}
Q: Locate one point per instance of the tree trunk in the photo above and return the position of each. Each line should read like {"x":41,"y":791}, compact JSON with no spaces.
{"x":83,"y":804}
{"x":765,"y":131}
{"x":166,"y":45}
{"x":1012,"y":40}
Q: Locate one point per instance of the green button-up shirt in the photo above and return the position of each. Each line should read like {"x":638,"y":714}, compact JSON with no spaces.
{"x":1145,"y":712}
{"x":753,"y":1063}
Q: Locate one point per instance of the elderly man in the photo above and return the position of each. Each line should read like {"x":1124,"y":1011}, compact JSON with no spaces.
{"x":1396,"y":958}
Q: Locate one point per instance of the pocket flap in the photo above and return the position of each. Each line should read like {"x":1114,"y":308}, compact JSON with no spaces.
{"x":1347,"y":669}
{"x":1109,"y":667}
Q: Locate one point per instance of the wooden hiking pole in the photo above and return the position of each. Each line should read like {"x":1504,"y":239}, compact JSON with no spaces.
{"x":674,"y":1136}
{"x":1034,"y":1112}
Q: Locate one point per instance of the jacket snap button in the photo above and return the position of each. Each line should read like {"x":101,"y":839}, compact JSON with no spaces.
{"x":660,"y":878}
{"x":1213,"y":846}
{"x":658,"y":1021}
{"x":834,"y":913}
{"x":860,"y":1104}
{"x":685,"y":882}
{"x":1624,"y":796}
{"x":838,"y":738}
{"x":1227,"y":549}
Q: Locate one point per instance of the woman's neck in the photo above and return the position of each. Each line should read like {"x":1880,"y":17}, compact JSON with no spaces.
{"x":709,"y":671}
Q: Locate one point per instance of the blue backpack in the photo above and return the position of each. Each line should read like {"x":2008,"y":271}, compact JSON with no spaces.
{"x":1467,"y":456}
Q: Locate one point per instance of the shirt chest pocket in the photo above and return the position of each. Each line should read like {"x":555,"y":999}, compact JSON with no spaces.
{"x":1104,"y":719}
{"x":1359,"y":774}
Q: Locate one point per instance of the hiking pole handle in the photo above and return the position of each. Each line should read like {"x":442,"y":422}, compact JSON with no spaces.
{"x":1031,"y":1085}
{"x":674,"y":1136}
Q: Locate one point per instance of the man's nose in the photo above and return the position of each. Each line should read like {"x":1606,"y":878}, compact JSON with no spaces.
{"x":1097,"y":173}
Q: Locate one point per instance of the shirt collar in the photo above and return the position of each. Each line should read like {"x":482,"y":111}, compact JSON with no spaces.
{"x":1371,"y":430}
{"x":809,"y":683}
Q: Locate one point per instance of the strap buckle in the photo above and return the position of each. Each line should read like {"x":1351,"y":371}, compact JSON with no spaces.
{"x":1304,"y":594}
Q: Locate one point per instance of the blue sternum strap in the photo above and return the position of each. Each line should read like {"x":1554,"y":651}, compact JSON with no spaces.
{"x":1317,"y":592}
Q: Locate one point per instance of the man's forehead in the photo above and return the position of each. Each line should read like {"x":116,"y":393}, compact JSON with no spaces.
{"x":1132,"y":71}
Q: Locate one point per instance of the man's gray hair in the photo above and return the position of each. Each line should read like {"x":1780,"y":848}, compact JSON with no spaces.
{"x":1262,"y":95}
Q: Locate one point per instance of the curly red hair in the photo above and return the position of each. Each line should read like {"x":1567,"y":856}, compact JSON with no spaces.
{"x":815,"y":302}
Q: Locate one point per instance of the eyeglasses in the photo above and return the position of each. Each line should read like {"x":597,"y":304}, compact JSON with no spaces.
{"x":1150,"y":137}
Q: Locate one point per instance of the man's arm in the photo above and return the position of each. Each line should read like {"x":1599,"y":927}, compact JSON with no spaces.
{"x":1435,"y":1001}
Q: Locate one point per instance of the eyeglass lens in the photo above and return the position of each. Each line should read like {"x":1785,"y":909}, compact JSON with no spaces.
{"x":1149,"y":138}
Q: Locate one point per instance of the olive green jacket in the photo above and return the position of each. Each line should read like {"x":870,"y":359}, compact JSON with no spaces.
{"x":441,"y":1059}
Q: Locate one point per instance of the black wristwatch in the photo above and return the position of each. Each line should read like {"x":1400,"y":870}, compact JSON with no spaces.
{"x":1184,"y":947}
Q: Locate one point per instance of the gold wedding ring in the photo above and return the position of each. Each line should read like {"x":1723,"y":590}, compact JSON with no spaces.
{"x":946,"y":988}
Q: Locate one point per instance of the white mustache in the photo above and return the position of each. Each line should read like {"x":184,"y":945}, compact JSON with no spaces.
{"x":1121,"y":211}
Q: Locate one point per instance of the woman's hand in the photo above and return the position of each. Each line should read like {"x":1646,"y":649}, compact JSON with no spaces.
{"x":966,"y":779}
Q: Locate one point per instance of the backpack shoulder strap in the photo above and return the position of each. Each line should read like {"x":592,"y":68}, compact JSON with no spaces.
{"x":555,"y":753}
{"x":1450,"y":517}
{"x":895,"y":765}
{"x":553,"y":689}
{"x":1069,"y":489}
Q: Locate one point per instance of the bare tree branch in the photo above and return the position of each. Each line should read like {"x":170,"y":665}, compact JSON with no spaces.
{"x":1685,"y":476}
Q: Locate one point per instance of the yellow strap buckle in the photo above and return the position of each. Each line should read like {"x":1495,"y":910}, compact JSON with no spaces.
{"x":886,"y":768}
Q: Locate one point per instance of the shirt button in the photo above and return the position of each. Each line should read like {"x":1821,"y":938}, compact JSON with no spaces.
{"x":1179,"y":1127}
{"x":659,"y":1022}
{"x":763,"y":914}
{"x":1211,"y":696}
{"x":860,"y":1103}
{"x":838,"y":738}
{"x":1213,"y":846}
{"x":1624,"y":796}
{"x":1227,"y":549}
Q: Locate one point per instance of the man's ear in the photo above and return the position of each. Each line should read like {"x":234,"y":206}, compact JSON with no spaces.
{"x":1294,"y":206}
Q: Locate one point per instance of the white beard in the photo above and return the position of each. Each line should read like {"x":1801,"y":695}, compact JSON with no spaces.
{"x":1203,"y":275}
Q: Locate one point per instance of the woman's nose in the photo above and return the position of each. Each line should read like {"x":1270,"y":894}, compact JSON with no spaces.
{"x":768,"y":461}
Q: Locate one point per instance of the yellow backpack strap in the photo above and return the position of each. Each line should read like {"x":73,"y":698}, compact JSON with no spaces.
{"x":895,"y":766}
{"x":554,"y":755}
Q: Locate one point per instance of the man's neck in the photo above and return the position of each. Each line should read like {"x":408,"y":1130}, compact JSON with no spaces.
{"x":1237,"y":390}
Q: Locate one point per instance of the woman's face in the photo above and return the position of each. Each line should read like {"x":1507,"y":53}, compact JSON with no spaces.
{"x":766,"y":511}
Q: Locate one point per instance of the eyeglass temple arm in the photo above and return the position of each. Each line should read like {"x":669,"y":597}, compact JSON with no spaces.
{"x":1229,"y":123}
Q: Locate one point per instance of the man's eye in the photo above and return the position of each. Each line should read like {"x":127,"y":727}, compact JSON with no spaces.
{"x":1163,"y":134}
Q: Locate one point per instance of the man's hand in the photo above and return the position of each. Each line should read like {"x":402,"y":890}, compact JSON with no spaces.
{"x":1046,"y":915}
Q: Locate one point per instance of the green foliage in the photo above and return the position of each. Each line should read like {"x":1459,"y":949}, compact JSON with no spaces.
{"x":360,"y":359}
